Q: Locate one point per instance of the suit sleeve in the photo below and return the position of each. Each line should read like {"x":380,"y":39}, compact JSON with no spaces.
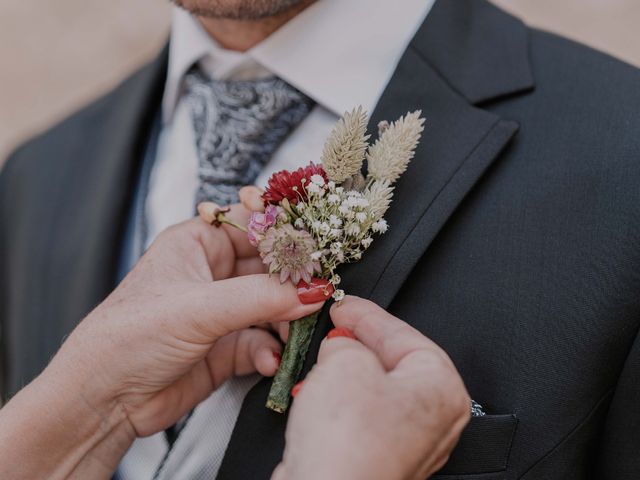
{"x":619,"y":456}
{"x":3,"y":284}
{"x":6,"y":202}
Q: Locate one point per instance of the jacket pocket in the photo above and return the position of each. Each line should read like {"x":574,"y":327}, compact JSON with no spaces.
{"x":483,"y":448}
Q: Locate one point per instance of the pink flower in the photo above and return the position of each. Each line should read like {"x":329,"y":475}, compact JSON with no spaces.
{"x":259,"y":223}
{"x":288,"y":251}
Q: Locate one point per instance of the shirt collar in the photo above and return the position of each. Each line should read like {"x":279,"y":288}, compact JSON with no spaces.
{"x":340,"y":53}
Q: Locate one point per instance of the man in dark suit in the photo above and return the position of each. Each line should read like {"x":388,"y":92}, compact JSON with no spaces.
{"x":514,"y":242}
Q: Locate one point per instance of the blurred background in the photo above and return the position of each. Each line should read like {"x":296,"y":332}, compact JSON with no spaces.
{"x":58,"y":55}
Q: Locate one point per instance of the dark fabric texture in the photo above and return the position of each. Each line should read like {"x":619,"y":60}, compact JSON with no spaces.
{"x":514,"y":243}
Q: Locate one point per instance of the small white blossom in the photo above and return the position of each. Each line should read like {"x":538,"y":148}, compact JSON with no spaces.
{"x":352,"y":201}
{"x":313,"y":188}
{"x":331,"y":184}
{"x":357,"y":255}
{"x":366,"y":242}
{"x":333,"y":198}
{"x":335,"y":232}
{"x":316,"y":224}
{"x":315,"y":256}
{"x":361,"y":217}
{"x":338,"y":295}
{"x":336,"y":247}
{"x":352,"y":229}
{"x":336,"y":279}
{"x":317,"y":179}
{"x":339,"y":190}
{"x":299,"y":223}
{"x":334,"y":221}
{"x":324,"y":228}
{"x":380,"y":226}
{"x":344,"y":210}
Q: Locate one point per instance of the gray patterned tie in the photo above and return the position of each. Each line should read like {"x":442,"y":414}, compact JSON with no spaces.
{"x":238,"y":126}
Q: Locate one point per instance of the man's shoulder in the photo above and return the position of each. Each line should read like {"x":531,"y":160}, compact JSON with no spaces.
{"x":583,"y":99}
{"x":564,"y":66}
{"x":76,"y":133}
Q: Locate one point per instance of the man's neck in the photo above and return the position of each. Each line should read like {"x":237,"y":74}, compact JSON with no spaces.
{"x":241,"y":35}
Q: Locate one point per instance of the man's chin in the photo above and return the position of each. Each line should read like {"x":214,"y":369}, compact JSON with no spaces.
{"x":239,"y":9}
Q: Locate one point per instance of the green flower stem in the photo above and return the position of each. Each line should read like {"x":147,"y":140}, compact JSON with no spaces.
{"x":295,"y":351}
{"x":222,"y":218}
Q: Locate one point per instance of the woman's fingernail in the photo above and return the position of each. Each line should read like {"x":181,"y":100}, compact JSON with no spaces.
{"x":278,"y":357}
{"x":341,"y":332}
{"x":318,"y":290}
{"x":296,"y":388}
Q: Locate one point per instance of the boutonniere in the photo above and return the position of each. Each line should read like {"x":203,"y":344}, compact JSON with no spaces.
{"x":321,"y":216}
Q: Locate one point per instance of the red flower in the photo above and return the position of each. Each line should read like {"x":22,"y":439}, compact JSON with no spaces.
{"x":289,"y":185}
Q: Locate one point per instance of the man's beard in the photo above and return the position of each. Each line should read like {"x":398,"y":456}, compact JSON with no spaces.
{"x":238,"y":9}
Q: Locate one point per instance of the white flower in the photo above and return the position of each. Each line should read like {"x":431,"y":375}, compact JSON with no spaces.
{"x":364,"y":203}
{"x":336,"y":279}
{"x":313,"y":188}
{"x":317,"y":179}
{"x":316,"y":224}
{"x":331,"y":184}
{"x":338,"y":295}
{"x":352,"y":201}
{"x":344,"y":209}
{"x":324,"y":228}
{"x":352,"y":229}
{"x":336,"y":247}
{"x":357,"y":255}
{"x":366,"y":242}
{"x":339,"y":190}
{"x":334,"y":221}
{"x":361,"y":217}
{"x":333,"y":198}
{"x":380,"y":226}
{"x":335,"y":232}
{"x":315,"y":256}
{"x":299,"y":223}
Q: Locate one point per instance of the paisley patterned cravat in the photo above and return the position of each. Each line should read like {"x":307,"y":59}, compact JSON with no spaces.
{"x":238,"y":126}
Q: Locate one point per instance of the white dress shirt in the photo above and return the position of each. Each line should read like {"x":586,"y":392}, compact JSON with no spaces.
{"x":341,"y":53}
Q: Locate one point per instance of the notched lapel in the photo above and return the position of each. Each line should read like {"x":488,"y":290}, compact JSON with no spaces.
{"x":459,"y":143}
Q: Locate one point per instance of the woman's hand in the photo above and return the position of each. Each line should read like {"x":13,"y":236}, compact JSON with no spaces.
{"x":384,"y":402}
{"x":156,"y":347}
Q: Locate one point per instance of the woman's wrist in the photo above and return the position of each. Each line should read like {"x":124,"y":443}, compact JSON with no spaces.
{"x":58,"y":427}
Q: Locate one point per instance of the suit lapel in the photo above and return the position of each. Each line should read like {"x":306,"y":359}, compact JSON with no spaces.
{"x":460,"y":142}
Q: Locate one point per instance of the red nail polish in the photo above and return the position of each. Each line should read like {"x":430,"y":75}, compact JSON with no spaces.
{"x":341,"y":332}
{"x":296,"y":388}
{"x":318,"y":290}
{"x":277,"y":356}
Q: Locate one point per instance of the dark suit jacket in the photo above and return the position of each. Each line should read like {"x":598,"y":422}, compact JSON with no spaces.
{"x":514,"y":242}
